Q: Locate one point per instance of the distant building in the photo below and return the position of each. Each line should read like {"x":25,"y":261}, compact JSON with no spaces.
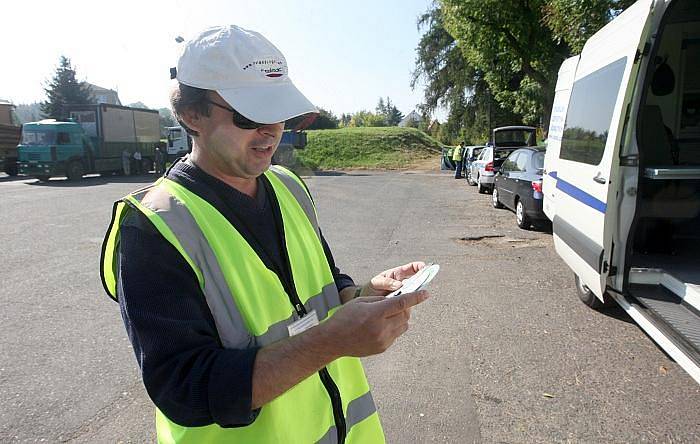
{"x":7,"y":113}
{"x":411,"y":119}
{"x":104,"y":95}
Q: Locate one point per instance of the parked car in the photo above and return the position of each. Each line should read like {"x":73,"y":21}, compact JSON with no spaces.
{"x":483,"y":168}
{"x":469,"y":158}
{"x":518,"y":186}
{"x":446,"y":162}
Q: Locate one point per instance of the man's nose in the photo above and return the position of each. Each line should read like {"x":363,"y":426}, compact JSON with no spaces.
{"x":271,"y":130}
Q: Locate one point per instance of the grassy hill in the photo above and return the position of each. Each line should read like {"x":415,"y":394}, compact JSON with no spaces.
{"x":390,"y":147}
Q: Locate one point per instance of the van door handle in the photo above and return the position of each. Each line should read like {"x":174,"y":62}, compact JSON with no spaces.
{"x":600,"y":179}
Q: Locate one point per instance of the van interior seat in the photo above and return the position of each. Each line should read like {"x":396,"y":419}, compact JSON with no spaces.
{"x":654,"y":145}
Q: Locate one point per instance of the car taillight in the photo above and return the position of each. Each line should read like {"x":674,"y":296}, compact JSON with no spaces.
{"x":489,"y":167}
{"x":537,"y":187}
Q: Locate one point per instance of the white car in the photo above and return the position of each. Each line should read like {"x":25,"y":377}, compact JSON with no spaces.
{"x":483,"y":170}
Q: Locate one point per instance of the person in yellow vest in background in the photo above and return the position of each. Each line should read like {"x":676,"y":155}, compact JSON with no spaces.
{"x":457,"y":156}
{"x":243,"y":327}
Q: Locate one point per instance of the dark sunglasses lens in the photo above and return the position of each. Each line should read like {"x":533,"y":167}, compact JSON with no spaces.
{"x":244,"y":123}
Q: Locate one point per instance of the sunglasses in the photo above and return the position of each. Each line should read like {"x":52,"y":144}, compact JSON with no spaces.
{"x":242,"y":122}
{"x":239,"y":119}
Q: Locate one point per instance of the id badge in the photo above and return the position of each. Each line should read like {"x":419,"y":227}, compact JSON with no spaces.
{"x":303,"y":324}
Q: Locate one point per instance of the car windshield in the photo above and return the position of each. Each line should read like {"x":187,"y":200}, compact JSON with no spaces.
{"x":38,"y":137}
{"x":517,"y":137}
{"x":538,"y":160}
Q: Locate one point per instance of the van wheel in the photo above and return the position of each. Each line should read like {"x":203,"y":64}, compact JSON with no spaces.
{"x":588,"y":297}
{"x":521,"y":216}
{"x":43,"y":178}
{"x":494,"y":199}
{"x":479,"y":187}
{"x":75,"y":170}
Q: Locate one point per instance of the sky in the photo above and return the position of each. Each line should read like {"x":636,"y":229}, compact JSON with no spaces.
{"x":343,"y":55}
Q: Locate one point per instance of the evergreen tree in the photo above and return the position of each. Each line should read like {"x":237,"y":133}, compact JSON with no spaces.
{"x":392,"y":116}
{"x":64,"y":89}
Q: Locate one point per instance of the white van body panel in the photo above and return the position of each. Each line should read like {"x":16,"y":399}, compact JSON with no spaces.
{"x":586,"y":193}
{"x":562,"y":93}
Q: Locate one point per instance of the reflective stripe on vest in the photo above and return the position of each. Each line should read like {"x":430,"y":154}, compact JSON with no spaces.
{"x":251,"y":308}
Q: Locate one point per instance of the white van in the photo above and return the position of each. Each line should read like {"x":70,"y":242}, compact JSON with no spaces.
{"x":622,"y":171}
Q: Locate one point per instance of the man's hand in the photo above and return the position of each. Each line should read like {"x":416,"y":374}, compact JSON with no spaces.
{"x":390,"y":280}
{"x":369,"y":325}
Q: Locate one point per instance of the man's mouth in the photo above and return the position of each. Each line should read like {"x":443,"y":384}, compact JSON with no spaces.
{"x":262,"y":149}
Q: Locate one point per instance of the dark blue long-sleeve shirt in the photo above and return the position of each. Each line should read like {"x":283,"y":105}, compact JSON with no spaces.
{"x":187,"y":373}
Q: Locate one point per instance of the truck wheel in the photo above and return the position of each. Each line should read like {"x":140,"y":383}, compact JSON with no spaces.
{"x":588,"y":297}
{"x":75,"y":170}
{"x":12,"y":169}
{"x":43,"y":178}
{"x":146,"y":166}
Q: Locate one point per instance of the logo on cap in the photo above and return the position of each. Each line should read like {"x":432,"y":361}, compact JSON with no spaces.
{"x":269,"y":67}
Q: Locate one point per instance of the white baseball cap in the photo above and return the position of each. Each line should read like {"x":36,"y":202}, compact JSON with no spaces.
{"x":248,"y":71}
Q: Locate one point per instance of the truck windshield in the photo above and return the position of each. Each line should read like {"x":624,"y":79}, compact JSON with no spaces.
{"x":514,"y":138}
{"x":38,"y":137}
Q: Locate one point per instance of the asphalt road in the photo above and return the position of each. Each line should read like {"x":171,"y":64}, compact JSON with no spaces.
{"x":502,"y":352}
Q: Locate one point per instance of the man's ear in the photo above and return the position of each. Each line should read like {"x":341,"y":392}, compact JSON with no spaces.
{"x":192,"y":119}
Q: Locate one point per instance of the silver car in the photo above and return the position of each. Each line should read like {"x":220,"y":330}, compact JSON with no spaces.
{"x":483,"y":168}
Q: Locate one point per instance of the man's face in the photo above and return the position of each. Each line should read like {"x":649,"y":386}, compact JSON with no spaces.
{"x":234,"y":151}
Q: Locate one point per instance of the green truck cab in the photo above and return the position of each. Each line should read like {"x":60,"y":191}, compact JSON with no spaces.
{"x":92,"y":139}
{"x":54,"y":148}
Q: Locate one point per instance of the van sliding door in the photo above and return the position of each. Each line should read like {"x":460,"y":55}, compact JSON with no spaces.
{"x":586,"y":175}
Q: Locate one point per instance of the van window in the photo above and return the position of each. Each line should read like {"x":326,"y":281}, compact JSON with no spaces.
{"x":590,"y":111}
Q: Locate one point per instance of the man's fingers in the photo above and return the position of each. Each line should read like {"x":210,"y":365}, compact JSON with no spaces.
{"x":385,"y":283}
{"x":407,"y":270}
{"x":370,"y":298}
{"x":403,"y":302}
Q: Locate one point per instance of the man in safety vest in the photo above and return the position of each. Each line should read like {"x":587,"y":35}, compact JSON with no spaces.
{"x":457,"y":155}
{"x":243,"y":327}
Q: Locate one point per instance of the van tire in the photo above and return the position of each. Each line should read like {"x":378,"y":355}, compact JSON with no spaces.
{"x":494,"y":199}
{"x":521,"y":217}
{"x":588,"y":297}
{"x":43,"y":178}
{"x":74,"y":170}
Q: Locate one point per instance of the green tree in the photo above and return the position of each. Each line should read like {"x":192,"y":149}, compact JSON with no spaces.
{"x":575,"y":21}
{"x":453,"y":83}
{"x":392,"y":115}
{"x":366,"y":118}
{"x":345,"y":119}
{"x":505,"y":39}
{"x":325,"y":120}
{"x":166,"y":119}
{"x":64,"y":89}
